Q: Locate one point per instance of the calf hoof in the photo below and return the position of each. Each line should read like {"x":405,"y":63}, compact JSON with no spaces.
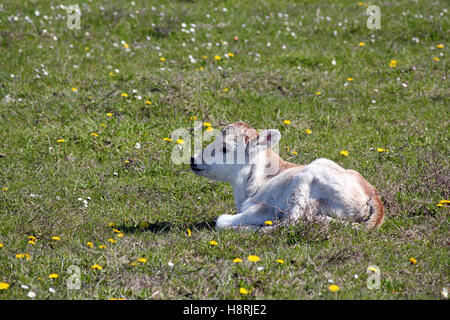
{"x":224,"y":221}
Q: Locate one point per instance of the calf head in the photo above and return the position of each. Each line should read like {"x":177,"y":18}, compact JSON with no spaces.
{"x":235,"y":152}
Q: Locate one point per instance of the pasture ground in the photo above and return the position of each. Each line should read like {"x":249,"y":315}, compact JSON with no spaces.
{"x":75,"y":103}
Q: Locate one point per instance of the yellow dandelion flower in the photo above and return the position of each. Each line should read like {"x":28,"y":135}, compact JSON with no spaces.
{"x":179,"y":141}
{"x":206,"y":124}
{"x":412,"y":260}
{"x":243,"y":291}
{"x":167,"y":139}
{"x":350,"y":79}
{"x":360,"y":4}
{"x":162,"y":59}
{"x":133,"y":264}
{"x":318,"y":93}
{"x":60,"y":140}
{"x":200,"y":69}
{"x":125,"y":45}
{"x":436,"y":59}
{"x":102,"y":246}
{"x":333,"y":288}
{"x":142,"y":260}
{"x":230,"y":55}
{"x":111,"y":224}
{"x":90,"y":244}
{"x":361,"y":44}
{"x":189,"y":232}
{"x":53,"y":276}
{"x":74,"y":89}
{"x":217,"y":58}
{"x":120,"y":235}
{"x":22,"y":256}
{"x":280,"y":261}
{"x":440,"y":46}
{"x":268,"y":223}
{"x":308,"y":131}
{"x":442,"y":202}
{"x":287,"y":122}
{"x":382,"y":150}
{"x":225,"y":90}
{"x":372,"y":269}
{"x":111,"y":240}
{"x":193,"y":118}
{"x":116,"y":231}
{"x":111,"y":74}
{"x":148,"y":102}
{"x":125,"y":95}
{"x":294,"y":152}
{"x":213,"y":243}
{"x":96,"y":267}
{"x":205,"y":57}
{"x":4,"y":285}
{"x":344,"y":153}
{"x":253,"y":258}
{"x":1,"y":245}
{"x":103,"y":125}
{"x":109,"y":114}
{"x":144,"y":224}
{"x":32,"y":238}
{"x":94,"y":134}
{"x":209,"y":129}
{"x":393,"y":63}
{"x":31,"y":242}
{"x":237,"y":260}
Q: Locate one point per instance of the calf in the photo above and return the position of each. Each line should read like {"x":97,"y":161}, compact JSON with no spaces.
{"x":268,"y":188}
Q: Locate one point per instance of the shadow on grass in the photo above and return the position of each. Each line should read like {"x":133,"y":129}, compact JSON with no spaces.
{"x":164,"y":227}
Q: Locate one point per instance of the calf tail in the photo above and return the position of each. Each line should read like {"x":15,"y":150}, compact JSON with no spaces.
{"x":376,"y":214}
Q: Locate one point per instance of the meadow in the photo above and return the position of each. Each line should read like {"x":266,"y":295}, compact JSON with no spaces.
{"x":92,"y":206}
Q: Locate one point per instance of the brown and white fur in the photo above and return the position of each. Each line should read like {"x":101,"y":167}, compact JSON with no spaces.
{"x":321,"y":189}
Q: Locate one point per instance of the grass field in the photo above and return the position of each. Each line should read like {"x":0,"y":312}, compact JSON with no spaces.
{"x":84,"y":113}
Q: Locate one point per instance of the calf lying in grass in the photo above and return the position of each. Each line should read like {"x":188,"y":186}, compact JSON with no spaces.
{"x":268,"y":188}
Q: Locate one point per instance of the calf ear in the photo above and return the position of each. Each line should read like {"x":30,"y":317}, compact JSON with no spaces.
{"x":269,"y":138}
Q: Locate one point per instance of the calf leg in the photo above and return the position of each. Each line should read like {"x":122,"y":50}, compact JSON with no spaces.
{"x":255,"y":215}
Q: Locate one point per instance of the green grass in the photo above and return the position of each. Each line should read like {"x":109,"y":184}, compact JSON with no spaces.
{"x":153,"y":201}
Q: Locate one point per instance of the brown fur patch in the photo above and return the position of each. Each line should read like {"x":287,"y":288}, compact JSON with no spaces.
{"x":241,"y":129}
{"x":282,"y":165}
{"x":379,"y":211}
{"x":377,"y":217}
